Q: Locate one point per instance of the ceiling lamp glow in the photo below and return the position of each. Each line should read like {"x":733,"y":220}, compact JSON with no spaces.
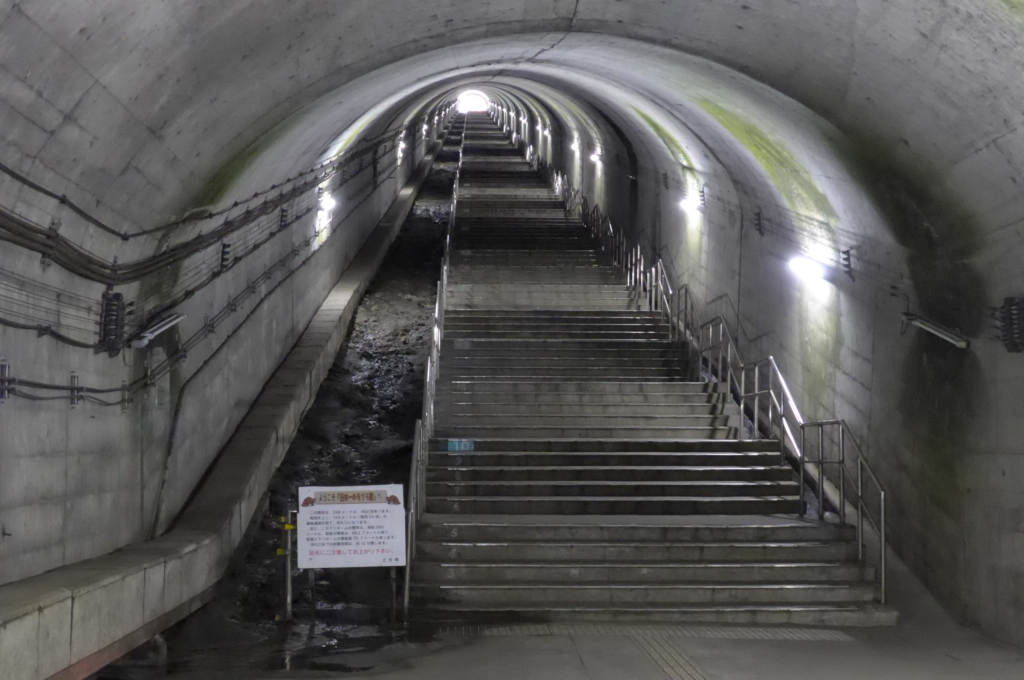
{"x":472,"y":101}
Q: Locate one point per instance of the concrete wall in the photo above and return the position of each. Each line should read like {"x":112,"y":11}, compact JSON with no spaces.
{"x":72,"y":621}
{"x":81,"y":481}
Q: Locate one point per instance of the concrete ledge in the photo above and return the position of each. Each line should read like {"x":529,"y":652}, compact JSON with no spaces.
{"x":72,"y":621}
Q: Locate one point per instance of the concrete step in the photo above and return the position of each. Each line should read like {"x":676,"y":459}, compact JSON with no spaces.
{"x":545,"y":432}
{"x":449,"y":398}
{"x":449,"y":408}
{"x":594,"y":347}
{"x":583,"y":387}
{"x":535,"y":572}
{"x":618,"y":473}
{"x":579,"y":488}
{"x":589,"y":421}
{"x":551,"y":351}
{"x":549,"y":372}
{"x":658,"y":594}
{"x":580,"y":335}
{"x":614,"y":505}
{"x":584,"y":363}
{"x":626,"y":528}
{"x":556,"y":326}
{"x":806,"y":614}
{"x":626,"y":550}
{"x":575,"y":316}
{"x":503,"y":287}
{"x":562,"y":304}
{"x":444,"y":458}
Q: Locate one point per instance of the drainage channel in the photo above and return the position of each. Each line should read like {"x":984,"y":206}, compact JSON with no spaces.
{"x":358,"y":431}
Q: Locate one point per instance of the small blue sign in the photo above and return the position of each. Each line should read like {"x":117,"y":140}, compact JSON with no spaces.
{"x":460,"y":445}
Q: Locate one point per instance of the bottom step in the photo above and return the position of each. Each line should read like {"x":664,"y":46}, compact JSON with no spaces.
{"x":767,"y":614}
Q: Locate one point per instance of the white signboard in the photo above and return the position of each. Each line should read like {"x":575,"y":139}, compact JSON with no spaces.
{"x":351,"y":526}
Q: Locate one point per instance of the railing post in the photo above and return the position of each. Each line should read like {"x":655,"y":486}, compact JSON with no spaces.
{"x":881,"y":546}
{"x":842,"y":472}
{"x":803,"y":463}
{"x":743,"y":404}
{"x":860,"y":511}
{"x":782,"y":428}
{"x":757,"y":402}
{"x":821,"y":473}
{"x":728,"y":368}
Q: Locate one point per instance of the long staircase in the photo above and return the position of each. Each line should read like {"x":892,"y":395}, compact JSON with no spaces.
{"x":575,"y":473}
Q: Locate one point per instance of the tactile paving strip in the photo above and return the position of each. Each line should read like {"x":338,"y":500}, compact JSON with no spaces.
{"x":656,"y":641}
{"x":658,"y":632}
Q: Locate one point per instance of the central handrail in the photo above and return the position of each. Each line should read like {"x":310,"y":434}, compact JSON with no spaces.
{"x":714,"y":357}
{"x":425,"y":425}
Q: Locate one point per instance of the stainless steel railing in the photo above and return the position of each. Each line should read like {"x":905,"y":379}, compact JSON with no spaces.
{"x":758,"y":387}
{"x":425,"y":425}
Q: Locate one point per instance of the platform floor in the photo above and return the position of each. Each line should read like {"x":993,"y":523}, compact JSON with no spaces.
{"x":926,"y":645}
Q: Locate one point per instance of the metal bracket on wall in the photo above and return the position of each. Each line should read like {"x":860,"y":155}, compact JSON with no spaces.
{"x":5,"y":379}
{"x":76,"y":390}
{"x":846,"y":258}
{"x":1009,"y":318}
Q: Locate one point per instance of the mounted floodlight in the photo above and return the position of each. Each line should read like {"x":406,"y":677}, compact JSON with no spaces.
{"x":596,"y":157}
{"x":576,"y":144}
{"x":807,"y":269}
{"x":547,"y":133}
{"x":155,"y":329}
{"x":473,"y":101}
{"x":327,"y":203}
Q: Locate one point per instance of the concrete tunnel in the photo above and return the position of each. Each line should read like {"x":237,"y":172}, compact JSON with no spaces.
{"x":878,"y":143}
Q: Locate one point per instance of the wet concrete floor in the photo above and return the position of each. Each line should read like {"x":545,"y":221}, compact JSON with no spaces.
{"x":358,"y":431}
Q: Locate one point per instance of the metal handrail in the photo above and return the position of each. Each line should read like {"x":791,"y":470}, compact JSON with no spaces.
{"x":862,"y":511}
{"x":425,"y":425}
{"x":715,"y":350}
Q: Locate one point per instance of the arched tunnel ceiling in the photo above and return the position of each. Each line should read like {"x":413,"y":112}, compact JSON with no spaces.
{"x":149,"y":99}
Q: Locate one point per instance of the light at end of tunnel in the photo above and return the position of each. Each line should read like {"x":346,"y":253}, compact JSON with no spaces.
{"x":327,"y":203}
{"x":807,"y":269}
{"x":473,"y":101}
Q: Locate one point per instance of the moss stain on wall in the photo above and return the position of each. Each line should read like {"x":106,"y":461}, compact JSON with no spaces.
{"x":670,"y":142}
{"x":786,"y":172}
{"x":820,"y":332}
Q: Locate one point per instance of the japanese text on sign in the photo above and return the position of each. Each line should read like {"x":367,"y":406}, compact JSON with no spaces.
{"x":351,"y":526}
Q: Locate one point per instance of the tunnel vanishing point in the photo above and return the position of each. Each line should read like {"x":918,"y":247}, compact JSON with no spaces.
{"x":193,"y":197}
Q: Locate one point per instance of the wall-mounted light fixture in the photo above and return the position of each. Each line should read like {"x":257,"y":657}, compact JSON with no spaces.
{"x":807,"y":269}
{"x":938,"y":330}
{"x":156,"y":328}
{"x":691,"y":203}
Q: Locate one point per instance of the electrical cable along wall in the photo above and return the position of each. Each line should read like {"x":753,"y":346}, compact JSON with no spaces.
{"x":244,"y":223}
{"x":245,"y":228}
